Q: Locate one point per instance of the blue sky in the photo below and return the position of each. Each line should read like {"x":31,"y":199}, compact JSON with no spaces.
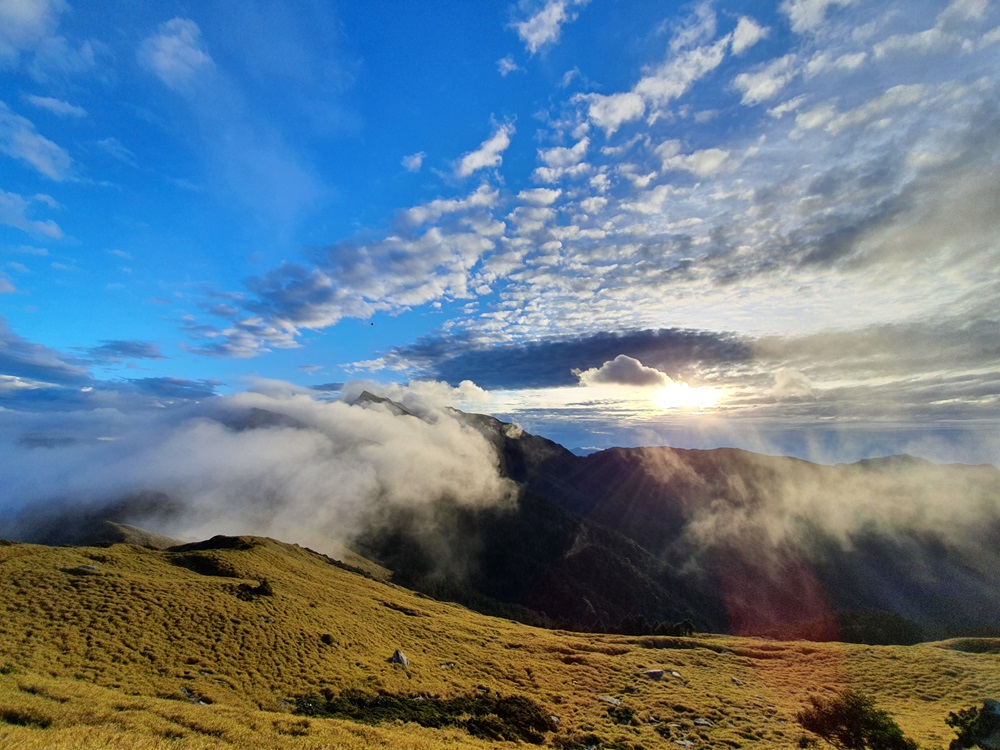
{"x":770,"y":225}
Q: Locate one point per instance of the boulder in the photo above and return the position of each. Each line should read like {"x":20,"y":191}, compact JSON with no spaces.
{"x":398,"y":657}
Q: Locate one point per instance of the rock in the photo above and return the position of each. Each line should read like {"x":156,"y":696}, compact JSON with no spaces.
{"x":612,"y":701}
{"x":654,"y":674}
{"x":735,"y":681}
{"x":398,"y":657}
{"x":703,"y":723}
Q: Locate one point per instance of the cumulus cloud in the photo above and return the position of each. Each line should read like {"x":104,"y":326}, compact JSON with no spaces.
{"x":483,"y":197}
{"x":624,"y":370}
{"x":767,"y":82}
{"x":612,"y":111}
{"x":175,"y":53}
{"x":789,"y":384}
{"x":747,"y":33}
{"x":703,"y":163}
{"x":489,"y":153}
{"x":544,"y":26}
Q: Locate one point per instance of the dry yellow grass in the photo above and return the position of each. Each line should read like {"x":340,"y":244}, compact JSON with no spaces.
{"x":124,"y":647}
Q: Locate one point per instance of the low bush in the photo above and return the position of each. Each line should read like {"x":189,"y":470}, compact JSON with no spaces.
{"x":973,"y":725}
{"x":489,"y":717}
{"x":850,"y":720}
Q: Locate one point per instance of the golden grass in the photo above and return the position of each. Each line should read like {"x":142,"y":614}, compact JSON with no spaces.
{"x":123,"y":647}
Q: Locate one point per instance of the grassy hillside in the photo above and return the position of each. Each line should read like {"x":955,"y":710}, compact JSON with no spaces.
{"x":127,"y":647}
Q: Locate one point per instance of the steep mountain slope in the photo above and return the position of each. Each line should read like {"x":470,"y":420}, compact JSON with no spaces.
{"x":127,"y":647}
{"x":782,"y":545}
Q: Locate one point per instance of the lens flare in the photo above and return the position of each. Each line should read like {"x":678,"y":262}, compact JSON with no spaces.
{"x":680,"y":395}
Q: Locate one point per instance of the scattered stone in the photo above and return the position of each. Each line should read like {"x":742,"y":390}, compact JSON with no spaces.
{"x":448,"y":665}
{"x":703,"y":723}
{"x":676,"y":674}
{"x":610,"y":700}
{"x":735,"y":681}
{"x":654,"y":674}
{"x":398,"y":657}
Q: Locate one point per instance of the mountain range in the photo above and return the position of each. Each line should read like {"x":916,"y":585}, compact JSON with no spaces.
{"x":638,"y":540}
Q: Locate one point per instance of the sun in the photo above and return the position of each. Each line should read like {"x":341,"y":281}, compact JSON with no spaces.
{"x":680,"y":395}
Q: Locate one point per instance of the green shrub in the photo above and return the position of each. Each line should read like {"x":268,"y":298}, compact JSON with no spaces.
{"x":850,"y":720}
{"x":972,"y":725}
{"x":489,"y":717}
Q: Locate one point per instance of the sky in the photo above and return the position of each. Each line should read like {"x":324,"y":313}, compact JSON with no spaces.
{"x":774,"y":226}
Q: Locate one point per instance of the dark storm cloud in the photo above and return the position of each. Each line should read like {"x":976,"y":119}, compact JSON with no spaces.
{"x":551,"y":362}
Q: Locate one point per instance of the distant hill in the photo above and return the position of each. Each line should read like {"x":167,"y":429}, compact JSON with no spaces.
{"x":752,"y":543}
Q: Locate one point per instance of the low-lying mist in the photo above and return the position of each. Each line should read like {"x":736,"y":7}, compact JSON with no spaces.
{"x":279,"y":463}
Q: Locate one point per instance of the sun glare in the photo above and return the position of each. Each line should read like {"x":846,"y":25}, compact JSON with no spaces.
{"x":682,"y":396}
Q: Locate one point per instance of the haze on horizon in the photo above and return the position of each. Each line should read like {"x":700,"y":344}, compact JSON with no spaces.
{"x":773,"y":226}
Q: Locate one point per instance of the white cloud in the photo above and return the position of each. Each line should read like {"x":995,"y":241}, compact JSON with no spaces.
{"x":703,"y":163}
{"x":482,"y":197}
{"x":791,"y":385}
{"x":545,"y":26}
{"x":747,"y":33}
{"x":894,"y":99}
{"x":539,"y":196}
{"x":19,"y":140}
{"x":14,"y":213}
{"x":506,"y":66}
{"x":563,"y":162}
{"x":696,"y":28}
{"x":808,"y":15}
{"x":561,"y":157}
{"x":675,"y":77}
{"x":624,"y":370}
{"x":489,"y":153}
{"x":610,"y":112}
{"x":56,"y":106}
{"x":175,"y":53}
{"x":824,"y":62}
{"x":788,"y":106}
{"x":962,"y":10}
{"x":6,"y":287}
{"x":767,"y":82}
{"x":413,"y":162}
{"x":25,"y":23}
